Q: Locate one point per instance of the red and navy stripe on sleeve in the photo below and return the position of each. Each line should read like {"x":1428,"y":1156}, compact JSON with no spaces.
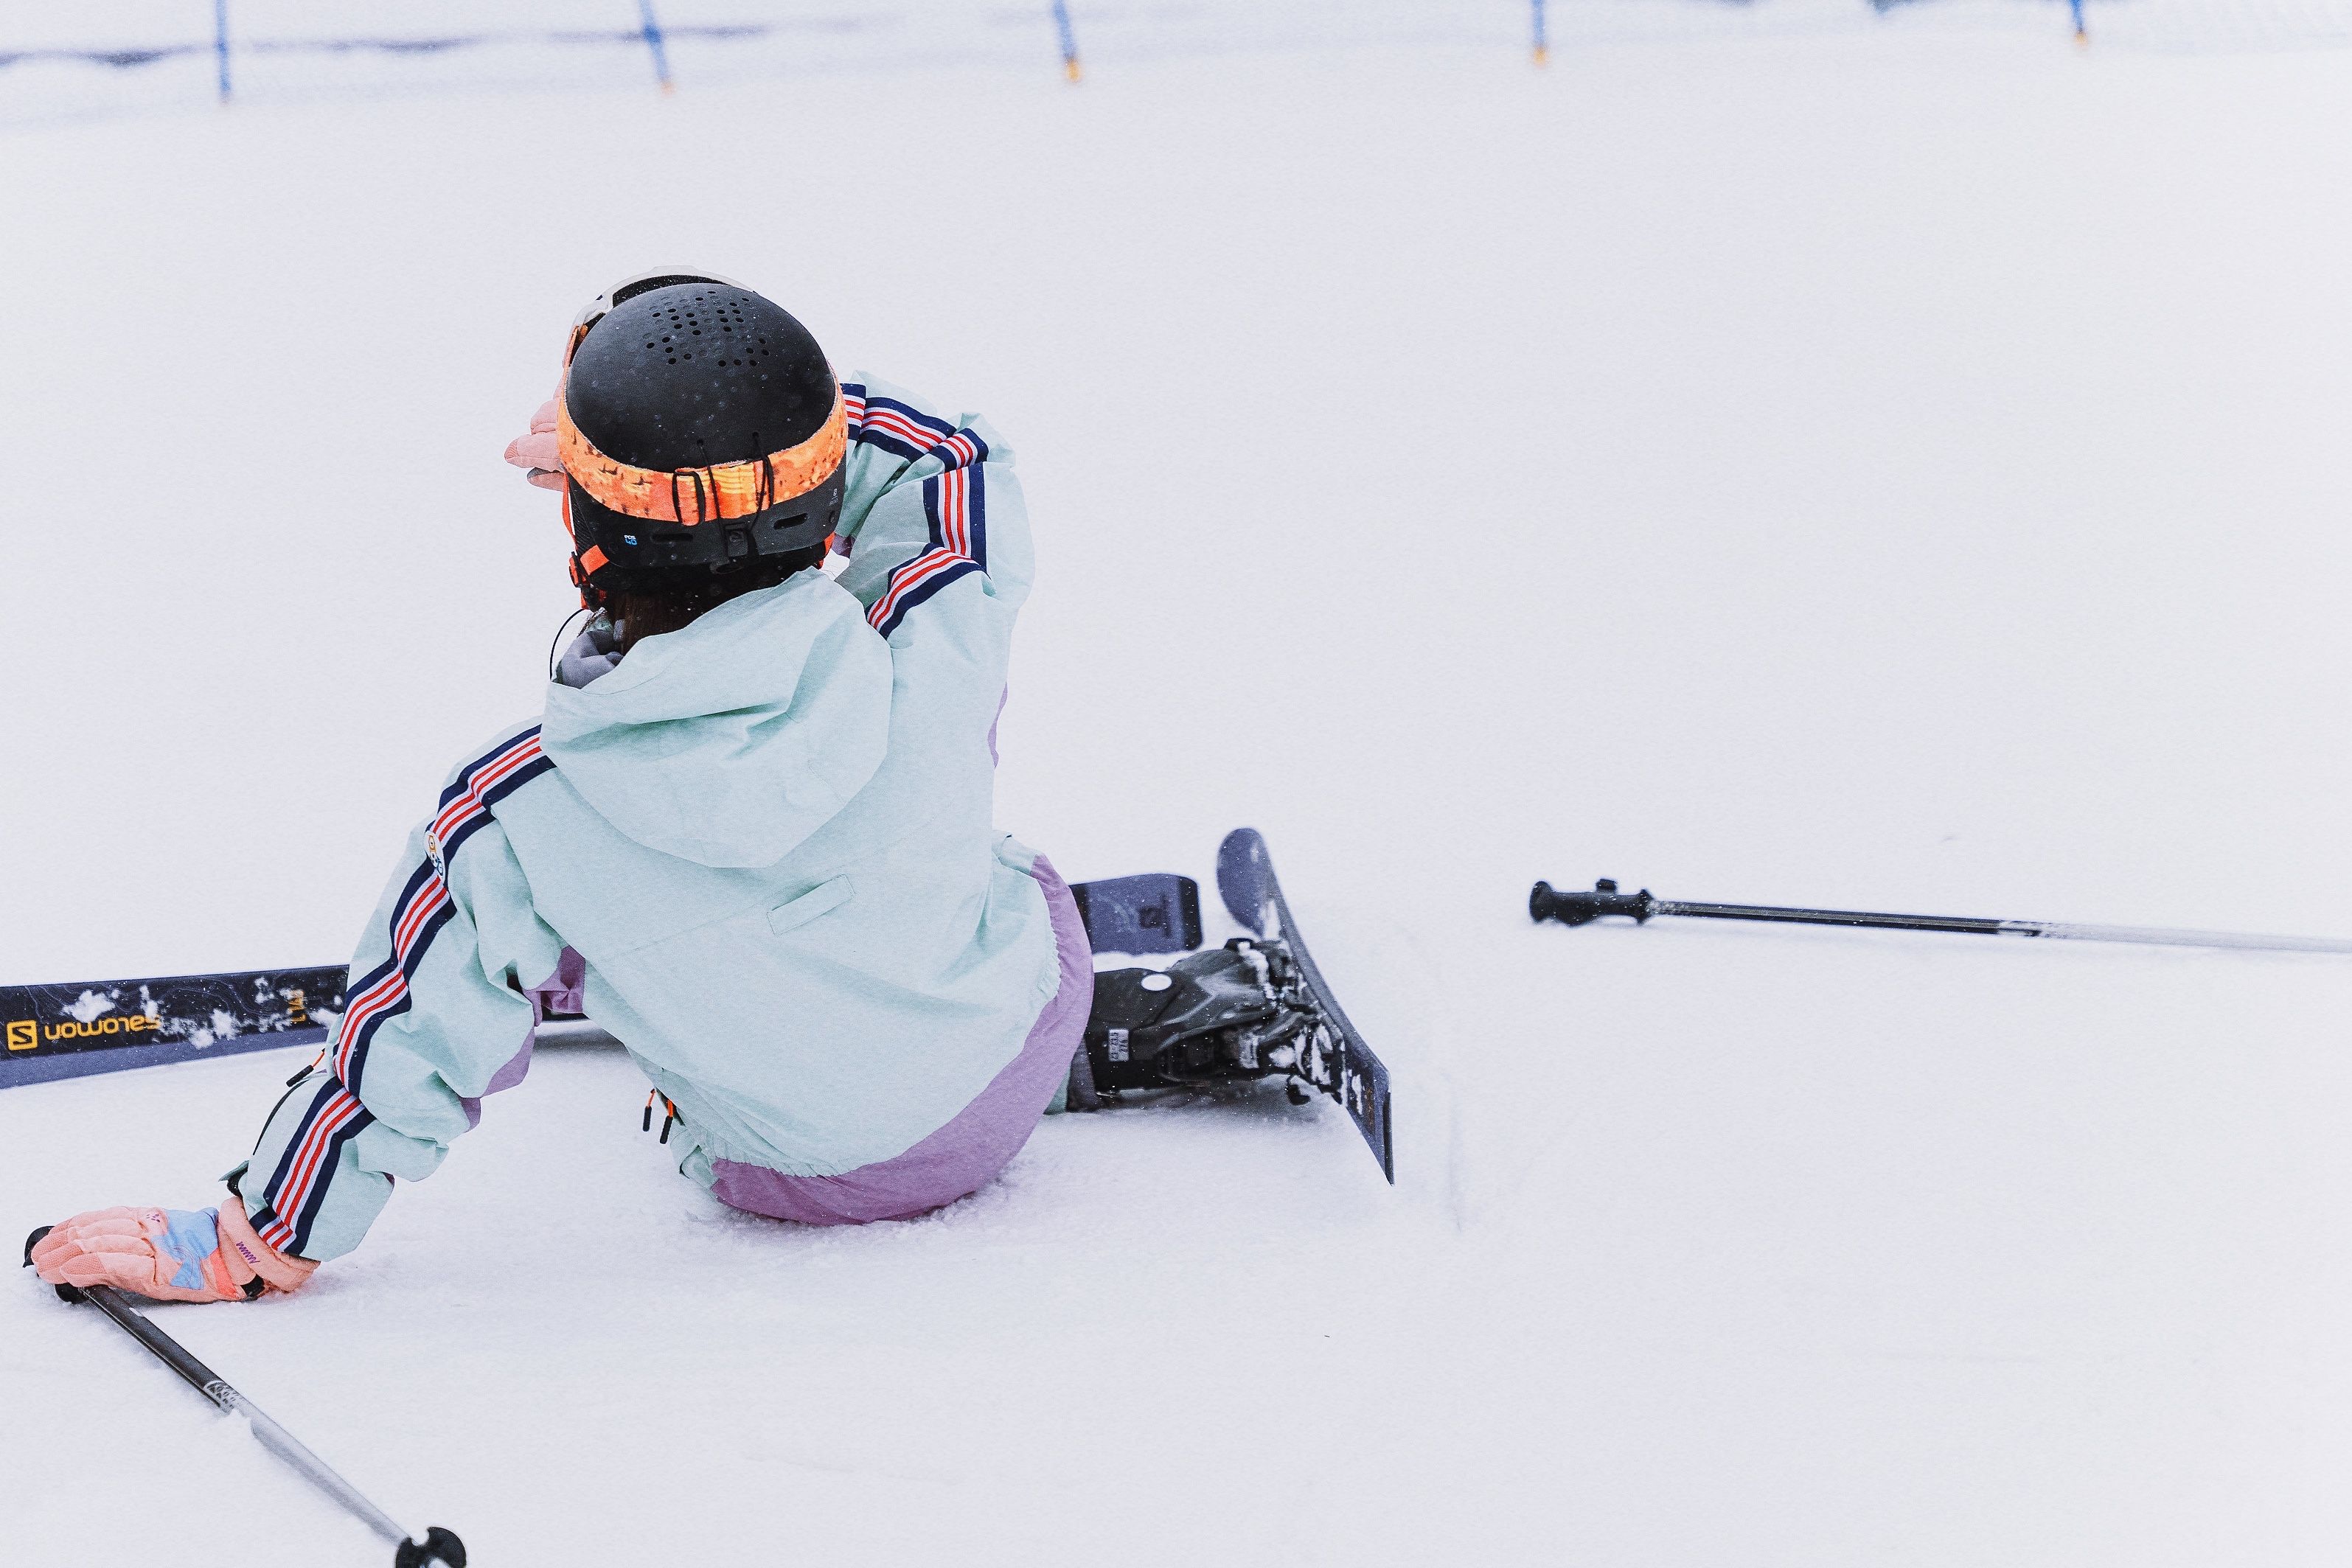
{"x":297,"y":1188}
{"x":955,"y":504}
{"x":905,"y":431}
{"x":955,"y":499}
{"x":916,"y":581}
{"x":424,"y":905}
{"x":417,"y":915}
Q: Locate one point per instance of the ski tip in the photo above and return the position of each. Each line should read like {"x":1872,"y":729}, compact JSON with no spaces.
{"x":1242,"y":877}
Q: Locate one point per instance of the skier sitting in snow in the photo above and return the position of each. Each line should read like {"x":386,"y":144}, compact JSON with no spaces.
{"x":749,"y":834}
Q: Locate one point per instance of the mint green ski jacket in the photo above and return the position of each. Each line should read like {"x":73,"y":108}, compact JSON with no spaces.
{"x":768,"y":838}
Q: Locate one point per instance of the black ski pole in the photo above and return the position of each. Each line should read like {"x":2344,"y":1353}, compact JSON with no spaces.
{"x":1547,"y":902}
{"x":436,"y":1545}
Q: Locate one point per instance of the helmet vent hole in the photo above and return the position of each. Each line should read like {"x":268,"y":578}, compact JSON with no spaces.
{"x":707,"y":423}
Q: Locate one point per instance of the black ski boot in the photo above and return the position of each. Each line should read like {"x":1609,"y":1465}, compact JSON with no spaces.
{"x":1255,"y":1007}
{"x":1218,"y":1016}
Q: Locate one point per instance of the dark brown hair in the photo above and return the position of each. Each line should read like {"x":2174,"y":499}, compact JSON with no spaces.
{"x":650,"y":611}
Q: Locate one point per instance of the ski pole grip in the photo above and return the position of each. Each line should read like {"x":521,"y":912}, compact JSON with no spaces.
{"x":1548,"y":902}
{"x":64,"y":1292}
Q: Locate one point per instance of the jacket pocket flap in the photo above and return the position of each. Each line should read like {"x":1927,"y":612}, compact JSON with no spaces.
{"x":798,"y":912}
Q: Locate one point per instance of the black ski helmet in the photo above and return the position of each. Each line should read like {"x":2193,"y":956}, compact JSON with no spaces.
{"x":699,"y":426}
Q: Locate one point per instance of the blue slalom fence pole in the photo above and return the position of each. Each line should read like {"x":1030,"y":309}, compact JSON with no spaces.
{"x":1069,"y":40}
{"x":2082,"y":33}
{"x":653,"y":32}
{"x":220,"y":45}
{"x":1543,"y":43}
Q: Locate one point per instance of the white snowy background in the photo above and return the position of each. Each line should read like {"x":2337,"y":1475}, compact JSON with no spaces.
{"x":1778,"y":454}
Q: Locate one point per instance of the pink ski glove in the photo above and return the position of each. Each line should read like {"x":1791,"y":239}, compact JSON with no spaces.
{"x":537,"y":451}
{"x":169,"y":1254}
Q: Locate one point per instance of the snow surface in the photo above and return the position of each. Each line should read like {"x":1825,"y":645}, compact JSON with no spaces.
{"x":1903,"y":468}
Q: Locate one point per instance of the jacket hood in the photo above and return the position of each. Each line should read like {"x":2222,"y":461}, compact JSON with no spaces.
{"x":729,"y":741}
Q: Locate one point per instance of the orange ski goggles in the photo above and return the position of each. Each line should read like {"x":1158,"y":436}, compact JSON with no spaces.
{"x":700,"y":495}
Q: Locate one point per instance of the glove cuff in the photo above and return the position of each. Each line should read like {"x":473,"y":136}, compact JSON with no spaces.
{"x":254,"y":1265}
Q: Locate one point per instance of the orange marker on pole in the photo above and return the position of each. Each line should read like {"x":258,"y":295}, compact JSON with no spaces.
{"x":1070,"y":71}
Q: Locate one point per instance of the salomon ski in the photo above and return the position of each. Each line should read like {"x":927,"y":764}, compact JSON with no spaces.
{"x":106,"y":1026}
{"x":103,"y":1026}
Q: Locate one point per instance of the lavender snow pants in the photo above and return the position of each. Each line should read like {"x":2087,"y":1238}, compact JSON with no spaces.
{"x":964,"y":1156}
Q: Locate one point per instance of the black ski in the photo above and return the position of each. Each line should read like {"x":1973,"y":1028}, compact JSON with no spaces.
{"x":1335,"y":1058}
{"x":104,"y":1026}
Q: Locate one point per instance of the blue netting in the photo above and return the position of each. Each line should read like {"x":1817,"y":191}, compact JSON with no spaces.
{"x":151,"y":53}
